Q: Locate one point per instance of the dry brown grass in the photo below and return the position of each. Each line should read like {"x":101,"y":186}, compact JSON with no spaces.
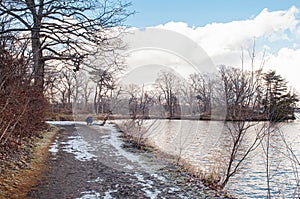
{"x":17,"y":183}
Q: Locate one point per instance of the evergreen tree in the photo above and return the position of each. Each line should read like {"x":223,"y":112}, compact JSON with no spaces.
{"x":278,"y":103}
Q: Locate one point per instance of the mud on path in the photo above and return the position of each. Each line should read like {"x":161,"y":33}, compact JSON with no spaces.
{"x":90,"y":162}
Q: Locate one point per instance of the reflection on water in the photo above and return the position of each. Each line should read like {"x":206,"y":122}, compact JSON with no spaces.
{"x":204,"y":144}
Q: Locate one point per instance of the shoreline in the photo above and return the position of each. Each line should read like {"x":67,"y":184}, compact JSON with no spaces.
{"x":176,"y":167}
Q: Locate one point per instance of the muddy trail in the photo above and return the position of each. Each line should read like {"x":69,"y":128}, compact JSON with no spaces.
{"x":90,"y":162}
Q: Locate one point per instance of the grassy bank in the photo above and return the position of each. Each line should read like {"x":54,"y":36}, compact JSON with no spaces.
{"x":21,"y":171}
{"x":179,"y":169}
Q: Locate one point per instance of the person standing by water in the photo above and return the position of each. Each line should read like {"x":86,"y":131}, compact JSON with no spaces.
{"x":89,"y":120}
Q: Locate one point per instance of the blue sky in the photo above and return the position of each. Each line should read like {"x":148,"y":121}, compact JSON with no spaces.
{"x":200,"y":12}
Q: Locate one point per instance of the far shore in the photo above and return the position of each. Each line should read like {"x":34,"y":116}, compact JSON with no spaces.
{"x":82,"y":117}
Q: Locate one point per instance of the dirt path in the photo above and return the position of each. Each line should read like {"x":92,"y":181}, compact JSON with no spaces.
{"x":89,"y":162}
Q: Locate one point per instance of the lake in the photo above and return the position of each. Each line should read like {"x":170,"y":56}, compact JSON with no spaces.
{"x":205,"y":146}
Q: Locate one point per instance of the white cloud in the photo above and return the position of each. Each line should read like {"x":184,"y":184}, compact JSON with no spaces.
{"x":295,"y":45}
{"x":276,"y":32}
{"x":287,"y":63}
{"x":217,"y":38}
{"x":223,"y":41}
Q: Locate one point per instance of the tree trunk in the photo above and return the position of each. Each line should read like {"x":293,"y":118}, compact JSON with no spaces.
{"x":37,"y":102}
{"x":38,"y":62}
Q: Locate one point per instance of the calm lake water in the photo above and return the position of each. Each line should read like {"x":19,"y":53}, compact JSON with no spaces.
{"x":204,"y":144}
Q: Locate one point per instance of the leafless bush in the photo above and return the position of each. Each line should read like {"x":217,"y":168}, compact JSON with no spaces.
{"x":21,"y":108}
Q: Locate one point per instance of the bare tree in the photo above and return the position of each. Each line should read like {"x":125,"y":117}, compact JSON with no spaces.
{"x":80,"y":84}
{"x":68,"y":77}
{"x":168,"y":85}
{"x":104,"y":69}
{"x":50,"y":86}
{"x":139,"y":104}
{"x":85,"y":90}
{"x":189,"y":109}
{"x":202,"y":87}
{"x":248,"y":124}
{"x":242,"y":93}
{"x":289,"y":152}
{"x":62,"y":30}
{"x":104,"y":87}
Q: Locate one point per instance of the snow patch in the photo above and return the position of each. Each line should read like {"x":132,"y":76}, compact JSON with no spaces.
{"x":98,"y":179}
{"x":173,"y":189}
{"x":54,"y":147}
{"x":151,"y":194}
{"x":89,"y":195}
{"x":147,"y":184}
{"x":80,"y":148}
{"x":117,"y":144}
{"x":161,"y":178}
{"x":129,"y":167}
{"x":107,"y":194}
{"x":139,"y":176}
{"x":65,"y":122}
{"x":139,"y":162}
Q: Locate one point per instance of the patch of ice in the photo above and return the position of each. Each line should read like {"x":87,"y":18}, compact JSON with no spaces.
{"x":151,"y":194}
{"x":173,"y":189}
{"x":54,"y":147}
{"x":65,"y":122}
{"x":98,"y":179}
{"x":107,"y":194}
{"x":117,"y":144}
{"x":161,"y":178}
{"x":147,"y":184}
{"x":89,"y":195}
{"x":114,"y":140}
{"x":139,"y":176}
{"x":143,"y":182}
{"x":80,"y":148}
{"x":129,"y":167}
{"x":73,"y":137}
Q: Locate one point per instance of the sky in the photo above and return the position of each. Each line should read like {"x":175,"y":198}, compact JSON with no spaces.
{"x":225,"y":28}
{"x":200,"y":12}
